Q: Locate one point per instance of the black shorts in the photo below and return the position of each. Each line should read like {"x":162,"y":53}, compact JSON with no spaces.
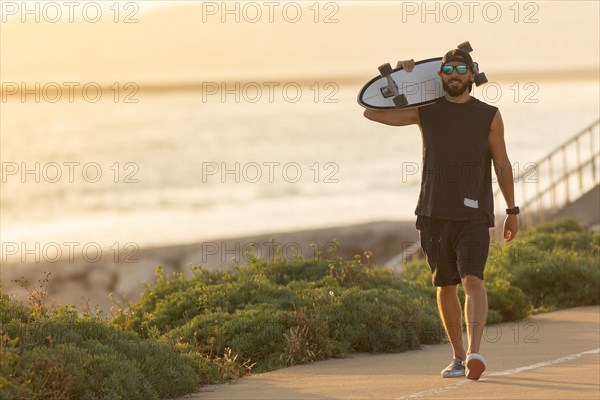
{"x":454,"y":249}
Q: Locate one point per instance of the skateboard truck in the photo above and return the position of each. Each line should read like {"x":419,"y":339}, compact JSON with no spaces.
{"x":391,"y":90}
{"x":480,"y":77}
{"x":465,"y":46}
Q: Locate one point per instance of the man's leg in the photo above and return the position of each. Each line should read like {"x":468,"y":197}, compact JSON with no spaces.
{"x":476,"y":307}
{"x":475,"y":314}
{"x":437,"y":245}
{"x":451,"y":314}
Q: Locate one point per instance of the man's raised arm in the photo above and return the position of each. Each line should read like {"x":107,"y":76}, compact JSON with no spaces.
{"x":394,"y":117}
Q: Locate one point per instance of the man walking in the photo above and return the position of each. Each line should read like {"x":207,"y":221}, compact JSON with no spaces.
{"x":461,"y":136}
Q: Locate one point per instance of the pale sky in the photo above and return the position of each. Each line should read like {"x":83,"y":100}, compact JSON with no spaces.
{"x":144,"y":6}
{"x":176,"y":45}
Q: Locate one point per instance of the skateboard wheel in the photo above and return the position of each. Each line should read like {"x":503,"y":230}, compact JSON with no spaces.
{"x":400,"y":101}
{"x":480,"y":79}
{"x":465,"y":46}
{"x":385,"y":69}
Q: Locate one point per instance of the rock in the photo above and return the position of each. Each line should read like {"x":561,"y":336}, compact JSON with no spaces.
{"x":131,"y":276}
{"x":17,"y":292}
{"x":68,"y":271}
{"x":32,"y":273}
{"x":102,"y":277}
{"x":67,"y":292}
{"x":96,"y":298}
{"x":213,"y":256}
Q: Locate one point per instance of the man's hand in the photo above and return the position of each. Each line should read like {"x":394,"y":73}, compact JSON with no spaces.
{"x":407,"y":65}
{"x":511,"y":227}
{"x":396,"y":117}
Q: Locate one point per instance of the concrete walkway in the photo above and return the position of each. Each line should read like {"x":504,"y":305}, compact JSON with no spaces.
{"x":549,"y":356}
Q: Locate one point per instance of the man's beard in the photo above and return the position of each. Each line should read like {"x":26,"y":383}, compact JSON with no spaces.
{"x":455,"y":91}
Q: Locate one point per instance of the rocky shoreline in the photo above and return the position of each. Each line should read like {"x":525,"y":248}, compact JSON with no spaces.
{"x":88,"y":284}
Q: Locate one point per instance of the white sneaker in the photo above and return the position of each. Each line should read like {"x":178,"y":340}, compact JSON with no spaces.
{"x":455,"y":369}
{"x":475,"y":366}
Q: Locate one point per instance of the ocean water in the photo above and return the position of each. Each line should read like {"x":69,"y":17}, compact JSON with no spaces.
{"x":175,"y":167}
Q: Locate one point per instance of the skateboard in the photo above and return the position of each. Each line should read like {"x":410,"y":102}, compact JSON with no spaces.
{"x":396,"y":88}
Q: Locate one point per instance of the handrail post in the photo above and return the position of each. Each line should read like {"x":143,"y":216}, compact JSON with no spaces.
{"x":523,"y":191}
{"x":578,"y":156}
{"x":594,"y":174}
{"x":537,"y":194}
{"x":552,"y":187}
{"x":566,"y":172}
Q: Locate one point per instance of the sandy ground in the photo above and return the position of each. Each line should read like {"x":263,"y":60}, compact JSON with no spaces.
{"x":548,"y":356}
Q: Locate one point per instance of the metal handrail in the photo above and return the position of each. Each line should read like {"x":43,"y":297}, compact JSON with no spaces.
{"x":529,"y":202}
{"x":562,"y":178}
{"x":562,"y":146}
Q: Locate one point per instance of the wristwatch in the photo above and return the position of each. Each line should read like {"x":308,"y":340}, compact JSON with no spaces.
{"x":514,"y":210}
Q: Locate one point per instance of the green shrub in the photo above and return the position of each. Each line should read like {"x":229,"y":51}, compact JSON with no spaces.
{"x":557,"y":226}
{"x":310,"y":320}
{"x":506,"y":302}
{"x":253,"y":334}
{"x":11,"y":310}
{"x":377,"y":320}
{"x":217,"y":326}
{"x":137,"y":316}
{"x":418,"y":276}
{"x":70,"y":371}
{"x":283,"y":271}
{"x":168,"y":372}
{"x":63,"y":355}
{"x":556,"y":265}
{"x":560,"y":280}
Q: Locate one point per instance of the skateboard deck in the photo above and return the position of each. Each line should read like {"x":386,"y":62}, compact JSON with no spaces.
{"x":420,"y":86}
{"x":396,"y":88}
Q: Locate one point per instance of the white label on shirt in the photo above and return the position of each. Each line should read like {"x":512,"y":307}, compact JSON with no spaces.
{"x":471,"y":203}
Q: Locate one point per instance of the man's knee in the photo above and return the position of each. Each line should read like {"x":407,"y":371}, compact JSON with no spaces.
{"x":447,"y":290}
{"x":472,"y":283}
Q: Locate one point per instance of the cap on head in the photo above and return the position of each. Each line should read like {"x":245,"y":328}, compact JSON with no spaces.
{"x":459,"y":56}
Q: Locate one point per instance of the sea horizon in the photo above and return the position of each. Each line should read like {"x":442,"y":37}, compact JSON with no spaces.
{"x":164,"y":163}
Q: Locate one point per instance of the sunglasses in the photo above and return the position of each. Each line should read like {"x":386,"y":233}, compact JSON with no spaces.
{"x":460,"y":69}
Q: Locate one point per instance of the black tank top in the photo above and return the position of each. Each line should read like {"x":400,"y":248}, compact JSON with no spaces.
{"x":456,"y":181}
